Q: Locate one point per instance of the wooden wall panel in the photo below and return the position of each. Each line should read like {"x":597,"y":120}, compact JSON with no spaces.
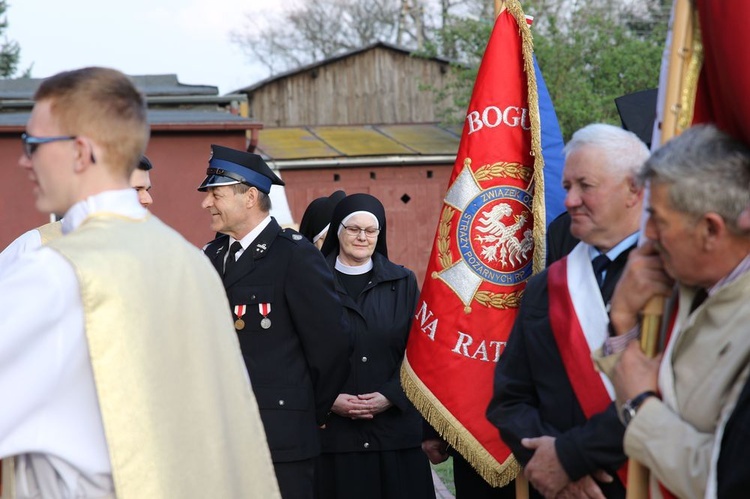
{"x":377,"y":86}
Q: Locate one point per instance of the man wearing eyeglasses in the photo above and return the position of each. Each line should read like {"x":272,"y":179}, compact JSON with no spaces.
{"x":288,"y":317}
{"x":122,"y":375}
{"x":140,"y":180}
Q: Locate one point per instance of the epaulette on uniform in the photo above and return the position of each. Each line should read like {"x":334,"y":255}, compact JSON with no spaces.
{"x":291,"y":235}
{"x":214,"y":241}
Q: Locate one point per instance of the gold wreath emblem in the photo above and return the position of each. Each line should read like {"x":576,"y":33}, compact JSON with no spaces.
{"x":500,"y":301}
{"x":444,"y":238}
{"x":503,"y":169}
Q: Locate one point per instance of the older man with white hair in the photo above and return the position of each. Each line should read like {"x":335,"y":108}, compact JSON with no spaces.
{"x":552,"y":408}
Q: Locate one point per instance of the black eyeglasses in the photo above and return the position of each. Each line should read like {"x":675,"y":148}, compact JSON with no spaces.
{"x":354,"y":231}
{"x":31,"y":143}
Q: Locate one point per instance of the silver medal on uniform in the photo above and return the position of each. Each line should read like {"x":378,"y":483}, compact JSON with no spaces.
{"x":265,"y":309}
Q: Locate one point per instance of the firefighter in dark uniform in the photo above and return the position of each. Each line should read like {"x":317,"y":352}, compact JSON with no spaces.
{"x":290,"y":323}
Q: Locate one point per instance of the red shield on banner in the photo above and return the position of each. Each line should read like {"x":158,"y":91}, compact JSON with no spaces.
{"x":486,"y":247}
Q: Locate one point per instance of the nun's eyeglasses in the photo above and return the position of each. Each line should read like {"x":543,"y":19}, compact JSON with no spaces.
{"x":354,"y":231}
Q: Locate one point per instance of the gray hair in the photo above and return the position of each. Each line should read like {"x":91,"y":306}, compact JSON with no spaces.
{"x":706,"y":170}
{"x":625,"y":153}
{"x":264,"y":200}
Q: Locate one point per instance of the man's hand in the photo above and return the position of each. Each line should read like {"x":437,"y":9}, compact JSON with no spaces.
{"x":643,"y":278}
{"x":585,"y":488}
{"x":635,"y":373}
{"x":436,"y":450}
{"x":544,"y":470}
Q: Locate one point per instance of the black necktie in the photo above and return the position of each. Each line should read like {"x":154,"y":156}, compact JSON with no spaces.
{"x":600,"y":264}
{"x":236,"y":246}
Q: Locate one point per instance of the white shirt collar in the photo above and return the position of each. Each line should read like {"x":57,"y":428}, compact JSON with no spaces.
{"x":246,"y":241}
{"x":121,"y":202}
{"x":353,"y":270}
{"x":617,"y":249}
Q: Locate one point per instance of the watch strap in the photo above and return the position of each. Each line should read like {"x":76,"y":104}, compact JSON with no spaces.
{"x":636,"y":401}
{"x":630,"y":407}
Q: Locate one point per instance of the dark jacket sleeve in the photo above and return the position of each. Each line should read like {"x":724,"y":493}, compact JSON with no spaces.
{"x":595,"y":445}
{"x":392,"y":389}
{"x":733,"y":470}
{"x":533,"y":397}
{"x":321,"y":324}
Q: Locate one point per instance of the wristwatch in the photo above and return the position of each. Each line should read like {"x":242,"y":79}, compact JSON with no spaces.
{"x":629,"y":408}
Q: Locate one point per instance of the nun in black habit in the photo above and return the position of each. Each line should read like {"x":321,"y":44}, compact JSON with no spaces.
{"x":371,"y":443}
{"x":317,"y":218}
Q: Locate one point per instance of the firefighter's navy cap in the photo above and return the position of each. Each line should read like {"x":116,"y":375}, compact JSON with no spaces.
{"x":229,"y":166}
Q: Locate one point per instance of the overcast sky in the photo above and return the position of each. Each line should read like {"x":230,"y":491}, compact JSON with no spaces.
{"x":186,"y":37}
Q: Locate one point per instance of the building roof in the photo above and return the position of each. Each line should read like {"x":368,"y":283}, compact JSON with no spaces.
{"x":315,"y":146}
{"x":150,"y":85}
{"x":331,"y":60}
{"x":171,"y":104}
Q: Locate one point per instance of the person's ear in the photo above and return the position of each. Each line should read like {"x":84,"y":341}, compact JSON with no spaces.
{"x":84,"y":153}
{"x":251,"y":197}
{"x":713,"y":228}
{"x":635,"y":193}
{"x":743,"y":221}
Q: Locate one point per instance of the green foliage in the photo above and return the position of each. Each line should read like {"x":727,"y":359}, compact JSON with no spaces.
{"x":602,"y":57}
{"x":589,"y":56}
{"x":465,"y":40}
{"x":10,"y":51}
{"x":444,"y":470}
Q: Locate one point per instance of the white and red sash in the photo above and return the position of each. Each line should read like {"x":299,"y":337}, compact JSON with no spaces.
{"x":578,"y":318}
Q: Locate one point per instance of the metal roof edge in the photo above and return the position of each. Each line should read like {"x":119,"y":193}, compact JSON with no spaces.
{"x":154,"y":99}
{"x":205,"y":126}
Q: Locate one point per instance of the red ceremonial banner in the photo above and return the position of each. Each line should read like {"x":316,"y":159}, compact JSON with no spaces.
{"x":725,"y":75}
{"x":487,"y":245}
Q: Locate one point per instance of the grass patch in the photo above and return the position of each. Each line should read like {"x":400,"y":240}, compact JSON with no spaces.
{"x":445,"y":471}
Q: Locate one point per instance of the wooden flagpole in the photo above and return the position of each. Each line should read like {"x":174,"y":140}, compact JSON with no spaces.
{"x":679,"y":50}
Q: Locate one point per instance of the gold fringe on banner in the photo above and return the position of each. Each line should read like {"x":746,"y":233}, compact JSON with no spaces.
{"x":494,"y":473}
{"x":539,"y":211}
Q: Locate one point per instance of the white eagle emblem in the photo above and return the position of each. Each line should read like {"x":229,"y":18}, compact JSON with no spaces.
{"x":501,"y":238}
